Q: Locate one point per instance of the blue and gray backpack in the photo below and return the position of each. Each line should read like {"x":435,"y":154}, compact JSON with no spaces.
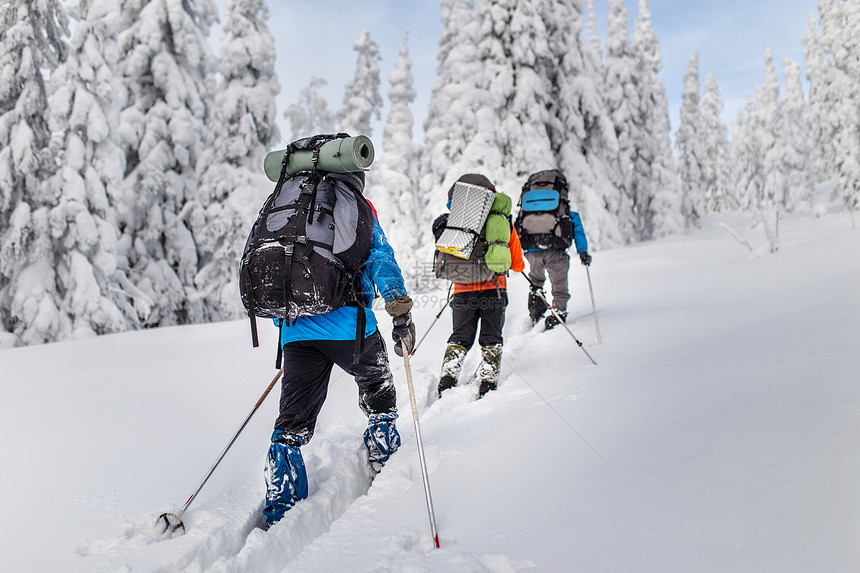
{"x":543,"y":221}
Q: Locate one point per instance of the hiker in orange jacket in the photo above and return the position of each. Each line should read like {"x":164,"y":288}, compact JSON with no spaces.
{"x":478,"y":304}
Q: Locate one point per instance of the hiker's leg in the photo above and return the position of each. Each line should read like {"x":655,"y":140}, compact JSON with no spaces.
{"x":376,"y":394}
{"x":303,"y":389}
{"x":558,"y":266}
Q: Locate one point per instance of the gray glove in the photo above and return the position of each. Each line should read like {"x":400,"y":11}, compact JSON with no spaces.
{"x":404,"y":330}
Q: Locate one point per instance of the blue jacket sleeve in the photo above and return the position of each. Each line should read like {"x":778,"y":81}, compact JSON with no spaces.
{"x":578,"y":232}
{"x":382,"y":269}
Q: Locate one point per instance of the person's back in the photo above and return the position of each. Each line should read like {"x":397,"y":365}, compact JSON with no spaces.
{"x":478,"y":304}
{"x":548,"y":227}
{"x":315,"y":259}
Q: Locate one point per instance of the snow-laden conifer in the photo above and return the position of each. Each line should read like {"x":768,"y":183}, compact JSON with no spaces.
{"x":622,"y":97}
{"x":748,"y":173}
{"x":460,"y":127}
{"x":241,"y":131}
{"x":310,"y":114}
{"x":518,"y":66}
{"x":716,"y":148}
{"x":793,"y":150}
{"x":393,"y":184}
{"x":167,"y":71}
{"x":33,"y":42}
{"x":820,"y":98}
{"x":657,"y":195}
{"x":840,"y":24}
{"x":582,"y":136}
{"x":689,"y":148}
{"x":768,"y":122}
{"x":593,"y":35}
{"x":362,"y":102}
{"x":91,"y":273}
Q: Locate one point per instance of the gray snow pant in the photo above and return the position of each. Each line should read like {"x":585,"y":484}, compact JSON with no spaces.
{"x":556,"y":264}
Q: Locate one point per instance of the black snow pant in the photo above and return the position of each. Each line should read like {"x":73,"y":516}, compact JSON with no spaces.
{"x":307,"y":371}
{"x":484,"y":307}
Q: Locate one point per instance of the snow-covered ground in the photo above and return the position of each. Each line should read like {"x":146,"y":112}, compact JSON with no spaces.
{"x":719,"y":432}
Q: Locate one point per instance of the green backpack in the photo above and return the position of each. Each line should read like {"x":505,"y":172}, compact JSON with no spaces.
{"x":497,"y":233}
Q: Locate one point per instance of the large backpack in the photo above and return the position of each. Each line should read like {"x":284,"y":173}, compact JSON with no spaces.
{"x":489,"y":257}
{"x":543,"y":221}
{"x":307,"y":246}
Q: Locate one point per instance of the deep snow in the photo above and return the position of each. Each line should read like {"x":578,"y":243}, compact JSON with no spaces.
{"x":719,"y":432}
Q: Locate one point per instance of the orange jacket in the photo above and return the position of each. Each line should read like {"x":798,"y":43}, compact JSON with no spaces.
{"x":517,"y":265}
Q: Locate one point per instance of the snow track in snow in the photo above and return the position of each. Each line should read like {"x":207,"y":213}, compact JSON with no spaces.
{"x":222,"y":535}
{"x":338,"y":468}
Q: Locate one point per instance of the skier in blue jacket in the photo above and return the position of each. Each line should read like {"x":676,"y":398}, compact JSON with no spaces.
{"x":555,"y":263}
{"x":548,"y":228}
{"x":311,"y":347}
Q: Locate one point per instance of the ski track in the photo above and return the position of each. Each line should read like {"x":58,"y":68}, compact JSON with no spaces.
{"x":222,"y":536}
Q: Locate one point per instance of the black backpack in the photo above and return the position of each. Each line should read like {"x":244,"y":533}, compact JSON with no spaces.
{"x":543,"y":221}
{"x":307,"y":246}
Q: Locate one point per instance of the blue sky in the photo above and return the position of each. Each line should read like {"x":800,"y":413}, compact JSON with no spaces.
{"x":315,"y":39}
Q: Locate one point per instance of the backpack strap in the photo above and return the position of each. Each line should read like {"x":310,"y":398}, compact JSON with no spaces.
{"x":361,"y":317}
{"x":255,"y":341}
{"x":246,"y":277}
{"x":280,"y":352}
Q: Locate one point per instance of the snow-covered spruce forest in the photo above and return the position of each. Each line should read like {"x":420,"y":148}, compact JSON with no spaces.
{"x":131,"y":153}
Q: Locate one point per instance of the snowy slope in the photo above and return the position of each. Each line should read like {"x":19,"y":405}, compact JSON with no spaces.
{"x":719,"y":432}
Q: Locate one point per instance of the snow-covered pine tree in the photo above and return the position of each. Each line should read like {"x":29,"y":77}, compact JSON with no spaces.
{"x":840,"y":25}
{"x":84,"y":195}
{"x":818,"y":75}
{"x":518,"y":66}
{"x":793,"y":143}
{"x":582,"y":136}
{"x":769,"y":122}
{"x":622,"y":97}
{"x":310,"y":114}
{"x":657,"y":193}
{"x":748,"y":173}
{"x":242,"y":130}
{"x":460,"y":127}
{"x":689,"y":148}
{"x":593,"y":35}
{"x":393,"y":185}
{"x":715,"y":141}
{"x":32,"y":43}
{"x":167,"y":70}
{"x":361,"y":100}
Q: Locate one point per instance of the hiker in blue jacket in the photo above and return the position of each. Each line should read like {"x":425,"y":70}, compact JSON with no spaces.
{"x":548,"y":227}
{"x":554,"y":262}
{"x":311,"y":347}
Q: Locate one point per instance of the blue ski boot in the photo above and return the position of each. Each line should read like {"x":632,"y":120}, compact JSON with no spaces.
{"x":381,"y":438}
{"x":286,"y":477}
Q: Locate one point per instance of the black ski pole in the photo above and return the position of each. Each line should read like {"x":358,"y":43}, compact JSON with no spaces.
{"x":173,"y":521}
{"x":426,"y":332}
{"x":558,"y":317}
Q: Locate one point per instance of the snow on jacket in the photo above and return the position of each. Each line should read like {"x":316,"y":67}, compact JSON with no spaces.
{"x":380,"y":272}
